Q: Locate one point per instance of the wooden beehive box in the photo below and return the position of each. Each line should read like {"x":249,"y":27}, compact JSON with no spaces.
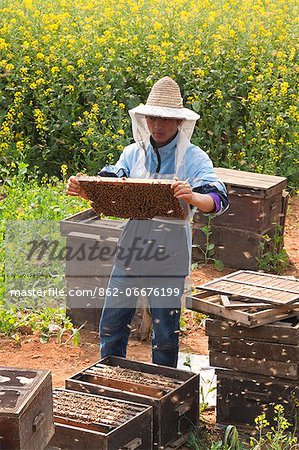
{"x":26,"y":413}
{"x":132,"y":198}
{"x":173,"y":393}
{"x":270,"y":350}
{"x":241,"y":397}
{"x":87,"y":276}
{"x":92,"y":422}
{"x":258,"y":204}
{"x":248,"y":298}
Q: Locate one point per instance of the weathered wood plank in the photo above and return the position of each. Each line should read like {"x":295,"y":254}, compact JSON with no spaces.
{"x":267,"y":294}
{"x":282,"y":332}
{"x":249,"y":316}
{"x":225,"y":300}
{"x":256,"y":181}
{"x":254,"y":349}
{"x":124,"y":385}
{"x":217,"y":310}
{"x":251,"y":365}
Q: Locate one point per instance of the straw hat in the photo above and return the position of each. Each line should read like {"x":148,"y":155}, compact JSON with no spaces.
{"x":165,"y":100}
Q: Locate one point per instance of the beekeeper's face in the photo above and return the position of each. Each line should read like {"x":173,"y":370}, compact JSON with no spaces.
{"x":161,"y":129}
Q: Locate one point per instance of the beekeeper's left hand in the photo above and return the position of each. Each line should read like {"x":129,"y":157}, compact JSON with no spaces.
{"x":183,"y":191}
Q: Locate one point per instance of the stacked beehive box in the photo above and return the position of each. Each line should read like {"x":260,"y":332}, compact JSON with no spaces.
{"x":88,"y":270}
{"x":257,"y":205}
{"x":172,"y":394}
{"x":94,"y":422}
{"x":259,"y":369}
{"x":26,"y":414}
{"x":256,"y":354}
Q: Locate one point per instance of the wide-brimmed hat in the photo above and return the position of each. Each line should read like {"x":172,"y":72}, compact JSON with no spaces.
{"x":165,"y":100}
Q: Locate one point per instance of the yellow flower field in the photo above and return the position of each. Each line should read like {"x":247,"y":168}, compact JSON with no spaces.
{"x":70,"y":70}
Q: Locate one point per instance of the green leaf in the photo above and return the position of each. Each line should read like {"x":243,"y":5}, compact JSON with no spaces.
{"x":218,"y":264}
{"x":196,"y":106}
{"x":76,"y":337}
{"x":210,"y":246}
{"x":44,"y":338}
{"x":206,"y":230}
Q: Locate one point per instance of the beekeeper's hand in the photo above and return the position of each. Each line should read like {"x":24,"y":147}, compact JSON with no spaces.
{"x":73,"y":188}
{"x":183,"y":191}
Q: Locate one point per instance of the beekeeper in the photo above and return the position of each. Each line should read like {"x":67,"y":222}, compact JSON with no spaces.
{"x":159,"y":248}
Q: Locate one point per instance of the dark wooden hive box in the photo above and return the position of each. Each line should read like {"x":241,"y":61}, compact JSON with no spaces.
{"x":88,"y":277}
{"x":271,"y":349}
{"x":258,"y":204}
{"x":93,"y":422}
{"x":256,"y":200}
{"x":237,"y":248}
{"x":26,"y":413}
{"x":241,"y":397}
{"x":175,"y":408}
{"x":251,"y":299}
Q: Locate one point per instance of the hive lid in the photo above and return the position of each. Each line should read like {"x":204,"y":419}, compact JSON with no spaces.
{"x":132,"y":198}
{"x":272,"y":289}
{"x":17,"y":387}
{"x":87,"y":221}
{"x":249,"y":298}
{"x":267,"y":184}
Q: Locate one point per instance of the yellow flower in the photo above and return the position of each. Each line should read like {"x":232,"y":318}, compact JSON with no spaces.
{"x":69,"y":88}
{"x":64,"y":170}
{"x":199,"y":73}
{"x":218,"y":94}
{"x":20,"y":146}
{"x":284,"y":87}
{"x":54,"y":70}
{"x":157,"y":26}
{"x":40,"y":81}
{"x":9,"y":67}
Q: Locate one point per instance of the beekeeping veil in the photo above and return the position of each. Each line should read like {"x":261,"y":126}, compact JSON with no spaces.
{"x":163,"y":101}
{"x":172,"y":235}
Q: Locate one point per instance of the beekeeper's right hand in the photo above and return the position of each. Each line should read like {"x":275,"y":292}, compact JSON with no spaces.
{"x":73,"y":188}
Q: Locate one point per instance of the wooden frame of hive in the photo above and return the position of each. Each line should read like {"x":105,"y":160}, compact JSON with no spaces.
{"x":132,"y":198}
